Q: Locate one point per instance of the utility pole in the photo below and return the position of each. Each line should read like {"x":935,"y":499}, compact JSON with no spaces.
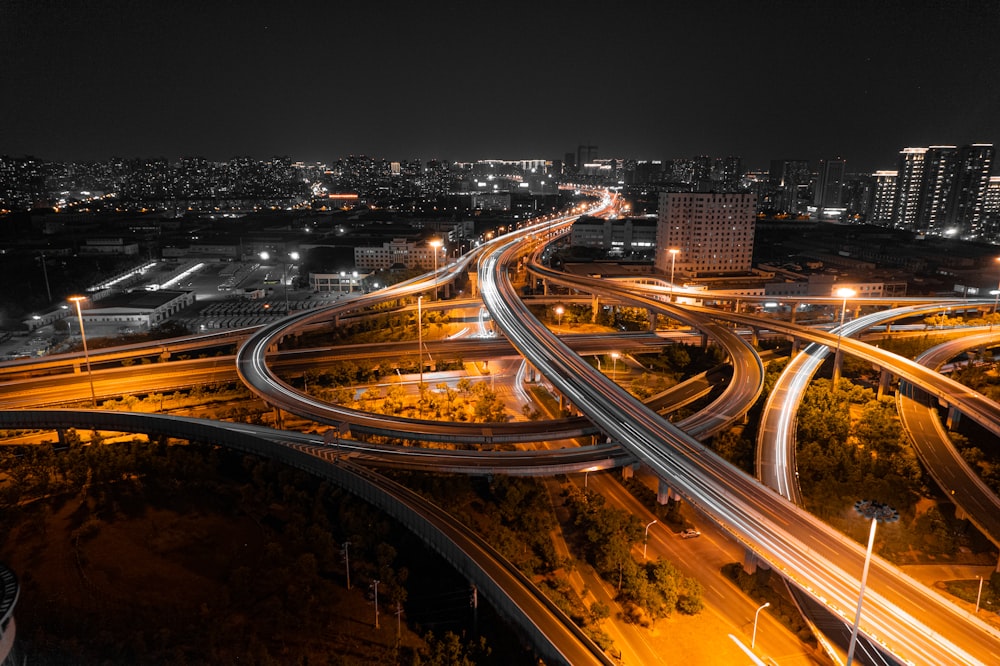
{"x":375,"y":585}
{"x":399,"y":624}
{"x":347,"y":562}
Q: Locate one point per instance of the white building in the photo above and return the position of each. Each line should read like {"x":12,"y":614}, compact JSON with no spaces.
{"x":398,"y":251}
{"x":343,"y":282}
{"x":139,"y":310}
{"x":712,"y":231}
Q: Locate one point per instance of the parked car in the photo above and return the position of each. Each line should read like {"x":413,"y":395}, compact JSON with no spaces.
{"x":690,"y":533}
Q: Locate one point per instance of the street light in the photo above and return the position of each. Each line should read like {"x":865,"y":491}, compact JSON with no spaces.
{"x":979,"y":595}
{"x":420,"y":339}
{"x":614,"y":367}
{"x":294,"y":256}
{"x":86,"y":354}
{"x":435,"y":243}
{"x":877,"y":512}
{"x":845,"y":293}
{"x":753,"y":639}
{"x":673,"y":257}
{"x":559,"y":313}
{"x":646,"y":537}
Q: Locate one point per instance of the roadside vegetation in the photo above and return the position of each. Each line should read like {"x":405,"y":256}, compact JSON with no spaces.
{"x":177,"y":554}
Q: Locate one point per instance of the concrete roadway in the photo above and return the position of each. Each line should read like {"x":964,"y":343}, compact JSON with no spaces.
{"x":932,"y":444}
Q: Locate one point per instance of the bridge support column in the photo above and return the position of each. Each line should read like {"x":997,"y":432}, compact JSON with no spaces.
{"x":795,"y":347}
{"x":474,"y":283}
{"x":704,"y":340}
{"x":751,"y":563}
{"x":883,"y":383}
{"x":838,"y":359}
{"x":595,"y":308}
{"x":652,"y":320}
{"x":754,"y":336}
{"x":628,"y":471}
{"x":664,"y":494}
{"x":795,"y":311}
{"x":960,"y":513}
{"x":545,"y":287}
{"x":954,"y":416}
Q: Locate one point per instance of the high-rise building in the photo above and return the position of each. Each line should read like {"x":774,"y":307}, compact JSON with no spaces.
{"x":909,"y":180}
{"x":713,"y":232}
{"x":884,"y":197}
{"x":975,"y":163}
{"x":940,"y":189}
{"x":991,"y":200}
{"x":789,"y":180}
{"x":829,"y":192}
{"x":937,"y":185}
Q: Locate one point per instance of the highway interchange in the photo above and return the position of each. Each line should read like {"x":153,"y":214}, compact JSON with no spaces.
{"x":914,"y":624}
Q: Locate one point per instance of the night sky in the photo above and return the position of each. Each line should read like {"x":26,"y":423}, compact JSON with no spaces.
{"x":87,"y":80}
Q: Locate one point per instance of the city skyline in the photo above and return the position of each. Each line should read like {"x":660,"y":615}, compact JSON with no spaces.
{"x":774,"y":81}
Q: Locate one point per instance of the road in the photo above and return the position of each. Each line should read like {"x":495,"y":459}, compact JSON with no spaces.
{"x":913,"y":622}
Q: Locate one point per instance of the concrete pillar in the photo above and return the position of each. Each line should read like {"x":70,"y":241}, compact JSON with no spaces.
{"x":960,"y":513}
{"x":795,"y":347}
{"x":838,"y":358}
{"x":652,"y":320}
{"x":795,"y":311}
{"x":954,"y":416}
{"x":751,"y":563}
{"x":662,"y":492}
{"x":704,"y":340}
{"x":628,"y":471}
{"x":754,"y":336}
{"x":883,"y":383}
{"x":474,"y":283}
{"x":545,"y":287}
{"x":595,"y":307}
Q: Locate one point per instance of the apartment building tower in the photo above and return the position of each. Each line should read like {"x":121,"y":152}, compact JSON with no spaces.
{"x":713,"y":232}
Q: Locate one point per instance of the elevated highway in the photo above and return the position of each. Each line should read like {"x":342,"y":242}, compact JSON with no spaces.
{"x":930,"y":440}
{"x":554,"y":635}
{"x":909,"y":620}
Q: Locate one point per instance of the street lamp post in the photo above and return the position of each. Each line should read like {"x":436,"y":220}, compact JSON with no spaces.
{"x":645,"y":537}
{"x":845,"y":293}
{"x":559,"y":313}
{"x":673,"y":257}
{"x":996,"y":300}
{"x":435,"y":244}
{"x":979,"y":595}
{"x":420,"y":339}
{"x":294,"y":256}
{"x":375,"y":585}
{"x":614,"y":366}
{"x":876,"y":511}
{"x":86,"y":354}
{"x":753,"y":639}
